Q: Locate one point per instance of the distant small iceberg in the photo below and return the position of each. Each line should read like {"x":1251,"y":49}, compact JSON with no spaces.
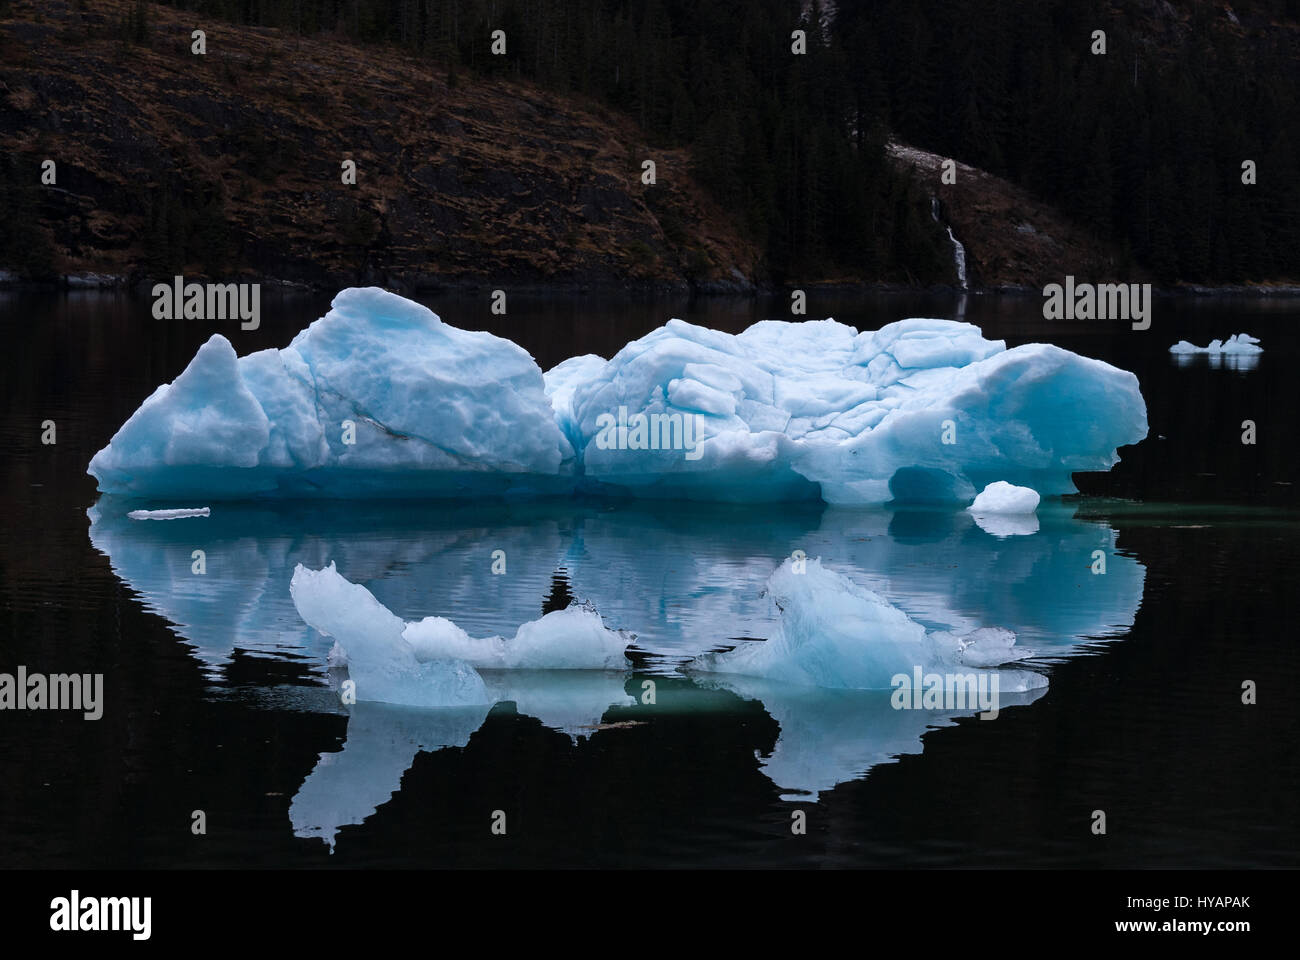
{"x":1240,"y":343}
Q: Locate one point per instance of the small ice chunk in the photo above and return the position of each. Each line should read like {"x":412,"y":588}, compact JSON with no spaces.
{"x":1002,"y":498}
{"x":176,"y":514}
{"x":1240,"y":343}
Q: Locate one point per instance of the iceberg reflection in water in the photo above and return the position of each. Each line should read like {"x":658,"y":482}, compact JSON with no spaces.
{"x":685,"y":578}
{"x":347,"y":786}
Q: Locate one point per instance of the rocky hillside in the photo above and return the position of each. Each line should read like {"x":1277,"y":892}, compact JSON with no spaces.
{"x":1011,"y":238}
{"x":229,"y":164}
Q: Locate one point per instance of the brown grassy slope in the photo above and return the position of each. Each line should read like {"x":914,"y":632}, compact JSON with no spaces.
{"x":488,"y":182}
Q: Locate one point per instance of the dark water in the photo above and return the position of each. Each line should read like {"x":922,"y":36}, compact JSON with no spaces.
{"x":216,"y":695}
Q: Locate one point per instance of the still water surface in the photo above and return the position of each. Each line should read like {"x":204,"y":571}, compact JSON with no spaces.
{"x":217,"y":696}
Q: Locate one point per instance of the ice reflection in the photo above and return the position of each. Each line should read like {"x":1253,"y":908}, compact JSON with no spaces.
{"x":684,"y":577}
{"x":1218,"y":361}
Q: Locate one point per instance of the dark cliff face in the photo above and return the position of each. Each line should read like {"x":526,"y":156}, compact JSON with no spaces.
{"x":230,"y":164}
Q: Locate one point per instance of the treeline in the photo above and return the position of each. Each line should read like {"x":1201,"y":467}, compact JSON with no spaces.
{"x":1143,"y":145}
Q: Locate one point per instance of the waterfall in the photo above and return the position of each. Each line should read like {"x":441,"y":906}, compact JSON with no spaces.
{"x":958,"y":258}
{"x":958,"y":251}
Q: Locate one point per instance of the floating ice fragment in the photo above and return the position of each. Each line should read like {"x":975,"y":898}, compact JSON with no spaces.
{"x":1242,"y":343}
{"x":176,"y":514}
{"x":1000,"y":497}
{"x":1005,"y":510}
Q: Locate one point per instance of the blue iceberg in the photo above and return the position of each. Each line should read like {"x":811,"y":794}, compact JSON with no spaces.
{"x":377,"y":398}
{"x":380,"y":398}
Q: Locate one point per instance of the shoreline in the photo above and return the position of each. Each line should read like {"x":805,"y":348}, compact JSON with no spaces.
{"x":636,"y":289}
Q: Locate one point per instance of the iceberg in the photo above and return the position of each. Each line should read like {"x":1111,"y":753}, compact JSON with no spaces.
{"x":377,"y":398}
{"x":1238,"y":343}
{"x":433,"y":662}
{"x":381,"y":398}
{"x":920,"y":410}
{"x":835,"y":633}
